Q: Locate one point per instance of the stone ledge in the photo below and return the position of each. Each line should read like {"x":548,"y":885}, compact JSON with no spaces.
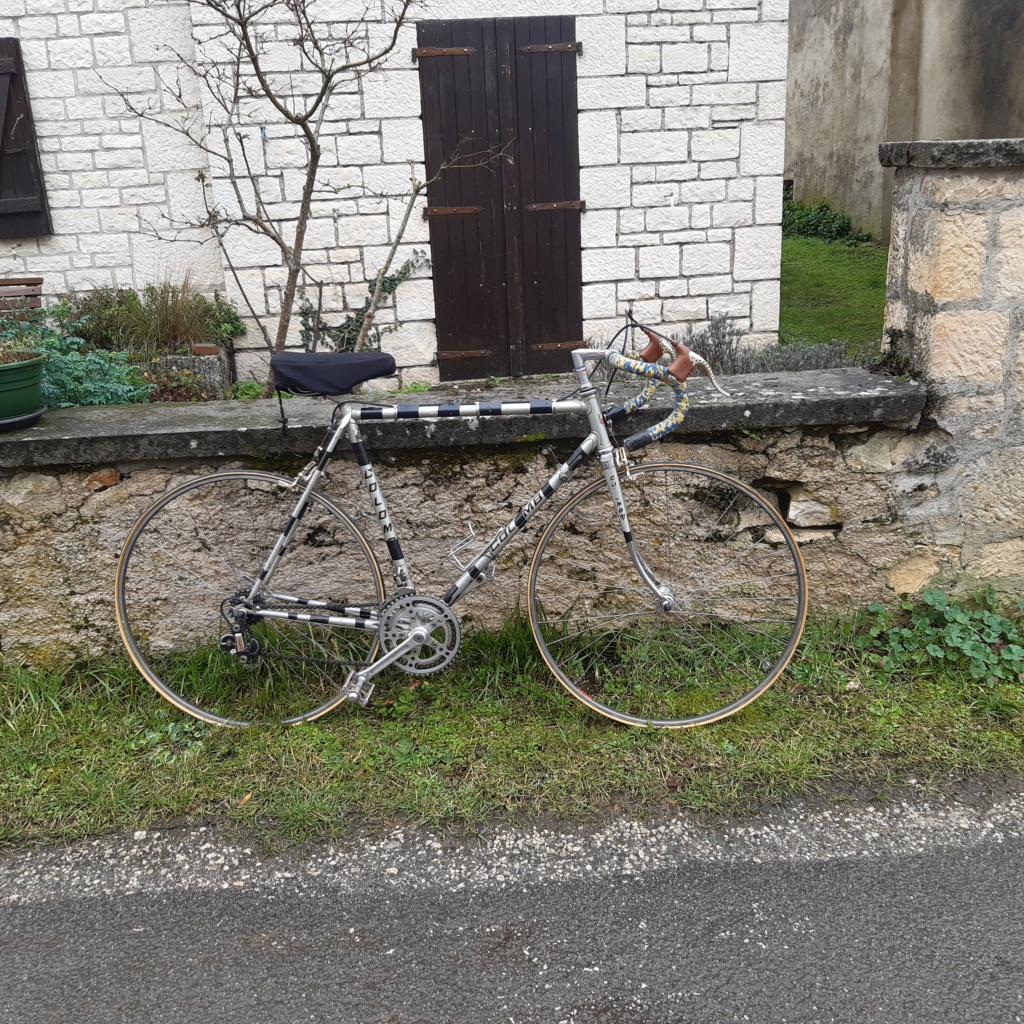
{"x":953,"y":153}
{"x":153,"y":433}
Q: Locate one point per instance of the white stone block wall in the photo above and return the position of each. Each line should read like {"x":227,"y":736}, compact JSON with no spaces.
{"x":109,"y":178}
{"x":681,"y":150}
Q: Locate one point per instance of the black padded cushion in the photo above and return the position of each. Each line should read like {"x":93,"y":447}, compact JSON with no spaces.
{"x":327,"y":373}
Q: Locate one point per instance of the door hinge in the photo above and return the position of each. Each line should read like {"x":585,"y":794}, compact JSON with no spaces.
{"x":569,"y":204}
{"x":449,"y":211}
{"x":552,"y":48}
{"x":469,"y":353}
{"x":551,"y":345}
{"x":27,"y":204}
{"x":442,"y":51}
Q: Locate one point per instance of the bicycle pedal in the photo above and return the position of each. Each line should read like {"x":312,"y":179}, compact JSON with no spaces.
{"x":356,"y":694}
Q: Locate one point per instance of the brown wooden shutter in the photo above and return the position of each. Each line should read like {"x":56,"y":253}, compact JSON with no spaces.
{"x":504,"y":236}
{"x":549,"y":204}
{"x":23,"y":209}
{"x":459,"y":97}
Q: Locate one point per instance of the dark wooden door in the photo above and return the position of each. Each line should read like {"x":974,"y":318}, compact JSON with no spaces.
{"x":23,"y":210}
{"x":500,"y":128}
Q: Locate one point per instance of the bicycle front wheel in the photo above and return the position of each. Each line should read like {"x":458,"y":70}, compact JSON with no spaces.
{"x":729,"y":572}
{"x":191,"y":555}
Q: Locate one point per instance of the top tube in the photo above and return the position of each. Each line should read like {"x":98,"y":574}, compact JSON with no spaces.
{"x":467,"y":410}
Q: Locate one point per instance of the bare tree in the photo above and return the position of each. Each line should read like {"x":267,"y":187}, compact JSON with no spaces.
{"x":263,"y":63}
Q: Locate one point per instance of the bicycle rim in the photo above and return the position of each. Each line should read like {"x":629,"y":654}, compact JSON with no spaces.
{"x":736,"y":584}
{"x":204,"y":543}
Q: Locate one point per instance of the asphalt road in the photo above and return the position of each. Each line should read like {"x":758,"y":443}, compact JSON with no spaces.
{"x":910,"y":913}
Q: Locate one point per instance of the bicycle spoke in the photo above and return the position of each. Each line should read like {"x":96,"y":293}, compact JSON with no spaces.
{"x":730,"y":629}
{"x":170,"y":602}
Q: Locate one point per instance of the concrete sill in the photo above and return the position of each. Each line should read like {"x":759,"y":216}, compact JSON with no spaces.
{"x":146,"y":433}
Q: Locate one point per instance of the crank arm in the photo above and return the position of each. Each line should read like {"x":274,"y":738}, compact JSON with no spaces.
{"x":358,"y":687}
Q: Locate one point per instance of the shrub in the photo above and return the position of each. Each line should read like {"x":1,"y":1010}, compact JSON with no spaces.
{"x":96,"y":315}
{"x":166,"y":318}
{"x":817,"y":220}
{"x":728,"y":352}
{"x":73,"y":373}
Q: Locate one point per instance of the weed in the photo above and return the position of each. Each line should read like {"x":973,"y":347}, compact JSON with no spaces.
{"x":176,"y":386}
{"x":175,"y":737}
{"x":417,"y":387}
{"x":974,"y":633}
{"x":247,"y":389}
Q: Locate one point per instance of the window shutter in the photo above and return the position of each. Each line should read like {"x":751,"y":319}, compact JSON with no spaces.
{"x":504,"y":231}
{"x":23,"y":210}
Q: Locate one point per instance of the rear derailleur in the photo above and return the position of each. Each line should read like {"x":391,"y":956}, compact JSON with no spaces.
{"x":239,"y":643}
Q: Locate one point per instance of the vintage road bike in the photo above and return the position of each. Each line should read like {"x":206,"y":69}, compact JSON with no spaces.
{"x":660,"y":594}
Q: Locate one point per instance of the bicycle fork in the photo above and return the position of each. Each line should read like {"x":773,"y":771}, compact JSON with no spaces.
{"x":612,"y":461}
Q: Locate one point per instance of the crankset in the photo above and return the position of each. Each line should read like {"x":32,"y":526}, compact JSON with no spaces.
{"x":400,"y":616}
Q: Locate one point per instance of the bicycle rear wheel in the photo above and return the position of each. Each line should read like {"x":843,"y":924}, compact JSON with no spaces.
{"x":736,"y":587}
{"x":204,"y":543}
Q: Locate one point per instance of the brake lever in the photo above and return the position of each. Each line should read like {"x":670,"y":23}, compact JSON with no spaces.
{"x":702,"y":364}
{"x":684,"y":360}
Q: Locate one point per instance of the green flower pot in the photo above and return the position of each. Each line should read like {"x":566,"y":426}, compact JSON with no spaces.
{"x":20,"y":401}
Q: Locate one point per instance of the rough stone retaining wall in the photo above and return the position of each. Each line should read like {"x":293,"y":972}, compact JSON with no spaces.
{"x":855,"y":478}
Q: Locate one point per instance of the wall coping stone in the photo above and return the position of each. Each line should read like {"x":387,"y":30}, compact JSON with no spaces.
{"x":953,"y":153}
{"x":148,"y":433}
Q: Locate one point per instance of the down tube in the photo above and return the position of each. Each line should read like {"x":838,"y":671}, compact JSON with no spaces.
{"x":471,"y":578}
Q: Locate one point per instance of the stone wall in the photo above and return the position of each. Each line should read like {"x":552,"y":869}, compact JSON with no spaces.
{"x":862,"y":71}
{"x":955,"y":318}
{"x":681,"y":148}
{"x":109,"y":178}
{"x":836,"y":451}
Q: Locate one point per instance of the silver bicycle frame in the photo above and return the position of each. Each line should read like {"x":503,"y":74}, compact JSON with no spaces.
{"x":347,"y":425}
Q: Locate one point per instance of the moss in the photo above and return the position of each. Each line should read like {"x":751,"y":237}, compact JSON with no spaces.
{"x":288,"y":465}
{"x":438,"y":465}
{"x":517,"y":460}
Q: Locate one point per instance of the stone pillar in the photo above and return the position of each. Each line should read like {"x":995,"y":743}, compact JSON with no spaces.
{"x":955,"y":319}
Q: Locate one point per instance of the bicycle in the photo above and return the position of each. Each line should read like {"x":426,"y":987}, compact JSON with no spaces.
{"x":249,"y":596}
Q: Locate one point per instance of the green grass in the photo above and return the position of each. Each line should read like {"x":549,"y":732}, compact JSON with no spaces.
{"x":93,"y":749}
{"x":831,"y":290}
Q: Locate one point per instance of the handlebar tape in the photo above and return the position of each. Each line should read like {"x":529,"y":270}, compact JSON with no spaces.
{"x":631,"y":405}
{"x":656,"y":374}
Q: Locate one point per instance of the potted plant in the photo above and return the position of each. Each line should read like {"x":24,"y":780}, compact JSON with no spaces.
{"x":21,"y":376}
{"x":21,"y":368}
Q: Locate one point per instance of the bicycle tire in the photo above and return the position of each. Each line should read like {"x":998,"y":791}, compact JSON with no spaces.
{"x":204,"y":542}
{"x":738,"y":585}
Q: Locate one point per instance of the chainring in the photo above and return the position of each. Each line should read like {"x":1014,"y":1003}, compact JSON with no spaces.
{"x":401,"y":615}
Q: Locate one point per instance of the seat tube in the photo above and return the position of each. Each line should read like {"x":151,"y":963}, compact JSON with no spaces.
{"x":399,"y":567}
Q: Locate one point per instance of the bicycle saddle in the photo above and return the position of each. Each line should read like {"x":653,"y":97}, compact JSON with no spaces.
{"x":327,"y":373}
